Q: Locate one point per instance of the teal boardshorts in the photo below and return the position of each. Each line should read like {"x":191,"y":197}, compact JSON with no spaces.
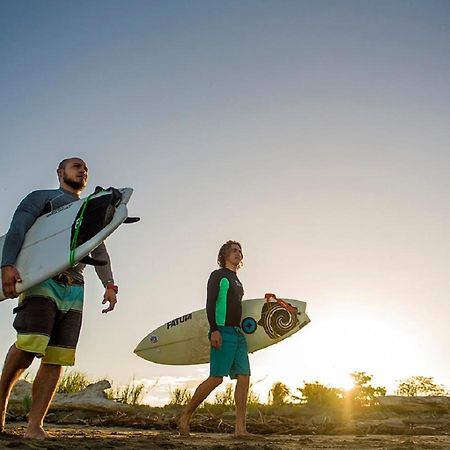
{"x":231,"y":359}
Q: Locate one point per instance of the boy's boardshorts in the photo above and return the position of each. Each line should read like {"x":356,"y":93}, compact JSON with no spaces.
{"x":231,"y":359}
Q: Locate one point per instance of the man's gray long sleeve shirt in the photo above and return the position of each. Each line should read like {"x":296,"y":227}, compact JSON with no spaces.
{"x":33,"y":206}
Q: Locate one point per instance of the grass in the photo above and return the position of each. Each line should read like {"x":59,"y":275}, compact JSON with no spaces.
{"x":313,"y":394}
{"x":73,"y":381}
{"x":180,"y":396}
{"x":130,"y":394}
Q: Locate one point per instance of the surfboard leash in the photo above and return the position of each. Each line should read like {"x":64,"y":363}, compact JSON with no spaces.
{"x":78,"y":222}
{"x":285,"y":305}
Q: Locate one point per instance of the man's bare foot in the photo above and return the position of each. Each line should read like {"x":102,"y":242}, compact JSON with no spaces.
{"x":35,"y":433}
{"x":183,"y":426}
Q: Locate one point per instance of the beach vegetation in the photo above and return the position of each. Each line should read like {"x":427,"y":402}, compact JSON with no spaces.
{"x":363,"y":393}
{"x":253,"y":397}
{"x":180,"y":396}
{"x":279,"y":394}
{"x":129,"y":394}
{"x":225,"y":397}
{"x":26,"y":404}
{"x":318,"y":394}
{"x":73,"y":381}
{"x":420,"y":386}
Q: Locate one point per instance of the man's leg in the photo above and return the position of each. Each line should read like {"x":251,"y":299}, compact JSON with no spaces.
{"x":240,"y":398}
{"x":15,"y":364}
{"x":199,"y":396}
{"x":44,"y":388}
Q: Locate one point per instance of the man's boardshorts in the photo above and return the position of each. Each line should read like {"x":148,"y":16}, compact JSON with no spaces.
{"x":48,"y":321}
{"x":231,"y":359}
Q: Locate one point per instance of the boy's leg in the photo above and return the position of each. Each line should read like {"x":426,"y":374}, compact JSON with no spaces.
{"x":200,"y":394}
{"x":241,"y":371}
{"x":240,"y":398}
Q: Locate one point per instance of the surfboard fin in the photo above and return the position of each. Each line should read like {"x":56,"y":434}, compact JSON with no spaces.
{"x":132,"y":220}
{"x":93,"y":262}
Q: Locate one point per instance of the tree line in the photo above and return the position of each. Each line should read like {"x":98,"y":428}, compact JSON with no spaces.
{"x":362,"y":394}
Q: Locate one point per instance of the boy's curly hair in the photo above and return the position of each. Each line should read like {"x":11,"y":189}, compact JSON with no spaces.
{"x":225,"y":250}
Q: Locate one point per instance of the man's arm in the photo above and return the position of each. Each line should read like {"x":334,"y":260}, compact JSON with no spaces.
{"x":30,"y":208}
{"x":106,"y":277}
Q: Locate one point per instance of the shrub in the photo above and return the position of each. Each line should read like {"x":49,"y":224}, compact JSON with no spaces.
{"x":180,"y":396}
{"x":317,"y":394}
{"x":73,"y":382}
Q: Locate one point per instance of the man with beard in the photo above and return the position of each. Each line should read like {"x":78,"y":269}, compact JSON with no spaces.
{"x":48,"y":319}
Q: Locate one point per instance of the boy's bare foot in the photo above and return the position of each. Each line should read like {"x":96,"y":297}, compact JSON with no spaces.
{"x":35,"y":433}
{"x":183,"y":426}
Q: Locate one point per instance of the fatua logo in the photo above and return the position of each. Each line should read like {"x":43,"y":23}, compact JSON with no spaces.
{"x":177,"y":321}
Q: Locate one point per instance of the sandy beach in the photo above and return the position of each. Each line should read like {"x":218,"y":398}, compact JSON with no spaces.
{"x":88,"y":420}
{"x":85,"y":437}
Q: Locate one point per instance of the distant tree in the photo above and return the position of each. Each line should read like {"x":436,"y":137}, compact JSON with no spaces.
{"x":279,"y":394}
{"x":362,"y":393}
{"x":317,"y":394}
{"x":420,"y":386}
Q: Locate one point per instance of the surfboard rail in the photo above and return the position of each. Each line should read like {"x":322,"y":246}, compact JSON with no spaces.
{"x":185,"y":342}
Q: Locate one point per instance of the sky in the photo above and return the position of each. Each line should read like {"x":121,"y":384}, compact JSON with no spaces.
{"x":314,"y":132}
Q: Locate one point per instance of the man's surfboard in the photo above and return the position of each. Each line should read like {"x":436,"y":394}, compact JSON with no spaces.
{"x":184,"y":340}
{"x":46,"y":249}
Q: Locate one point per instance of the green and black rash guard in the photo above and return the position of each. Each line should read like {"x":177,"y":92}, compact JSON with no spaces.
{"x":224,"y":299}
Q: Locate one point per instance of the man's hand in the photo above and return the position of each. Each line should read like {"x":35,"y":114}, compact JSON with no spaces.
{"x":216,"y":339}
{"x":111,"y":298}
{"x":10,"y":276}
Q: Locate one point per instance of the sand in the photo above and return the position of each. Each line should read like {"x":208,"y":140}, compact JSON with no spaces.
{"x":88,"y":437}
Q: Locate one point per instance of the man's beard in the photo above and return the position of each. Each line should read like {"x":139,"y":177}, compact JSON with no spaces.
{"x":75,"y":184}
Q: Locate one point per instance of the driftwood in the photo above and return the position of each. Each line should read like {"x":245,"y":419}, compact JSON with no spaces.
{"x":401,"y":404}
{"x":93,"y":399}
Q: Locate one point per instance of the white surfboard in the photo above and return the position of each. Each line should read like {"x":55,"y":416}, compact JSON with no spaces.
{"x":46,"y":249}
{"x":184,"y":340}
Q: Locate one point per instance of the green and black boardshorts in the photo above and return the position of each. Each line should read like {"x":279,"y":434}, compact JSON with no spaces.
{"x":48,"y":321}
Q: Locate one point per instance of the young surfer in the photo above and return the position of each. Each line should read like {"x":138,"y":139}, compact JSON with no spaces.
{"x":48,"y":319}
{"x":228,"y":354}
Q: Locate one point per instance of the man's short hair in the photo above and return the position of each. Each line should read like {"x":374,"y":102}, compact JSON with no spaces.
{"x":63,"y":163}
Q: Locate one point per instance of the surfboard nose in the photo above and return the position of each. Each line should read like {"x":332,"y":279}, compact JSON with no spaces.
{"x":140,"y":347}
{"x":148,"y":344}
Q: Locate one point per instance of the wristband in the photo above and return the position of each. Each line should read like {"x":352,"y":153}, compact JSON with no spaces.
{"x":113,"y":287}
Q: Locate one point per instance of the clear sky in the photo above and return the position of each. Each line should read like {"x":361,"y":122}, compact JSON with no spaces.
{"x":314,"y":132}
